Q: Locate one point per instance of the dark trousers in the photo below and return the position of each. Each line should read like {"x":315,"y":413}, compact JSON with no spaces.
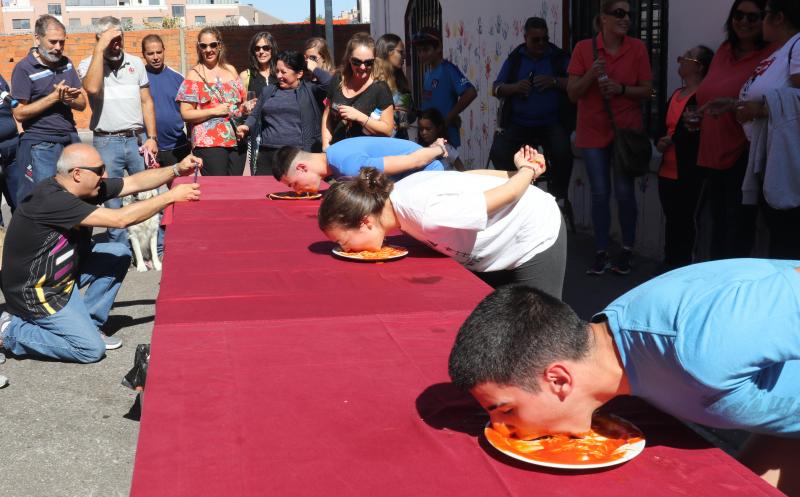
{"x":733,"y":225}
{"x":553,"y":138}
{"x":266,"y":156}
{"x":679,"y":200}
{"x":221,"y":161}
{"x":167,"y":158}
{"x":544,"y":271}
{"x":784,"y":232}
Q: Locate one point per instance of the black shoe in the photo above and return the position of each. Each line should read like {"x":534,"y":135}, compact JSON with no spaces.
{"x":600,"y":264}
{"x":623,"y":264}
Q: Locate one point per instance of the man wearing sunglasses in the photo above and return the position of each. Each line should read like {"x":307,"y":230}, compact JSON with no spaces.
{"x":536,"y":110}
{"x":49,"y":255}
{"x":123,"y":113}
{"x":445,"y":88}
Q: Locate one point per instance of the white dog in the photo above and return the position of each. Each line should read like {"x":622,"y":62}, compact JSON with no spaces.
{"x":144,"y":236}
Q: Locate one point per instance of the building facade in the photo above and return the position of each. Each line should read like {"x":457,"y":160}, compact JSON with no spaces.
{"x":19,"y":16}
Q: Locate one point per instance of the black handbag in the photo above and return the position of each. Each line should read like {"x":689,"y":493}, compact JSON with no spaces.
{"x":632,"y":149}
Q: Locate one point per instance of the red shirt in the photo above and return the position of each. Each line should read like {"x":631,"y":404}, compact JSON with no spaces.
{"x":722,"y":140}
{"x":629,"y":66}
{"x":669,"y":160}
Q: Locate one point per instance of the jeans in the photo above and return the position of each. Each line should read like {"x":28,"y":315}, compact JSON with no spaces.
{"x":119,"y":154}
{"x":553,"y":138}
{"x":71,"y":334}
{"x":598,"y":168}
{"x":9,"y":178}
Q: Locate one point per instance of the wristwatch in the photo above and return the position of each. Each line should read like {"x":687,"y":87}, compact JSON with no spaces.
{"x":175,"y":170}
{"x":154,"y":138}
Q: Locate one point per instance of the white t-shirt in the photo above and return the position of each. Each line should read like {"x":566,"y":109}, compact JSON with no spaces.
{"x":772,"y":73}
{"x":446,"y":210}
{"x":118,"y":107}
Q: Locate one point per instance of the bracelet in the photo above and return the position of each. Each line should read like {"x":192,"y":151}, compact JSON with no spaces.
{"x":526,"y":166}
{"x":365,"y":122}
{"x":175,"y":170}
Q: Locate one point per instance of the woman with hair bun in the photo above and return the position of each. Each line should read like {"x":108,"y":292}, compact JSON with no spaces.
{"x":495,"y":223}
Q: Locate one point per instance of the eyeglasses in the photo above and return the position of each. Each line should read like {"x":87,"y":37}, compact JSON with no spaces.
{"x":619,"y":13}
{"x":98,"y":170}
{"x":539,"y":40}
{"x":312,"y":57}
{"x":739,"y":15}
{"x":358,"y":62}
{"x":262,"y":48}
{"x":213,"y":45}
{"x":682,"y":58}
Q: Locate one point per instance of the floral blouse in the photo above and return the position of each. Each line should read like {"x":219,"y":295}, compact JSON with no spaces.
{"x":217,"y":131}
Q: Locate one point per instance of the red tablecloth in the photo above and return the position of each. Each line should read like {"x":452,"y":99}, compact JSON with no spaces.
{"x":277,"y":369}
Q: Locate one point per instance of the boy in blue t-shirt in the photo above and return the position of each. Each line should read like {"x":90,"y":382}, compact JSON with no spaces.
{"x":304,"y":171}
{"x":716,"y":343}
{"x":445,"y":89}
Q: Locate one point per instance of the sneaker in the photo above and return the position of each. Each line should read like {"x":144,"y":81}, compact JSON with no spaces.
{"x":5,"y":320}
{"x":3,"y":381}
{"x":111,"y":342}
{"x":623,"y":264}
{"x":600,"y":263}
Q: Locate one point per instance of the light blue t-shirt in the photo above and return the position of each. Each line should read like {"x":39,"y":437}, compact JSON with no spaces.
{"x":347,"y":157}
{"x":442,"y":87}
{"x":716,"y":343}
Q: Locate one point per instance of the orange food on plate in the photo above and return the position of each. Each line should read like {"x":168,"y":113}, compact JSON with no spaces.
{"x":606,"y":442}
{"x":386,"y":252}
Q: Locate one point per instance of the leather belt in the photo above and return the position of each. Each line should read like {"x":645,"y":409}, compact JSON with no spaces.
{"x":127,"y":132}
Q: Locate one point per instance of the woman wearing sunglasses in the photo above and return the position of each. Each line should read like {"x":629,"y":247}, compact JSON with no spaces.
{"x":679,"y":178}
{"x":316,"y":50}
{"x":723,"y":145}
{"x":289,"y":113}
{"x":262,"y":63}
{"x":358,"y":104}
{"x":619,"y":73}
{"x":211,"y":99}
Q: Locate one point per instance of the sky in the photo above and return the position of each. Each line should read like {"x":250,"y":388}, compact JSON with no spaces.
{"x":298,"y":10}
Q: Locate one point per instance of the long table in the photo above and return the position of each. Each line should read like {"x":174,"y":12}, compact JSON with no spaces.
{"x":277,"y":369}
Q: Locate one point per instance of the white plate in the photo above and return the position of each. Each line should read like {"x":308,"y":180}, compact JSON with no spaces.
{"x":629,"y":451}
{"x":339,"y":252}
{"x":293,"y":196}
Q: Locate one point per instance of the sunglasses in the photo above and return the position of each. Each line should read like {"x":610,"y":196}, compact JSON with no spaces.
{"x":98,"y":170}
{"x":738,"y":15}
{"x":213,"y":45}
{"x":683,"y":58}
{"x":539,"y":39}
{"x":262,"y":48}
{"x":312,"y":57}
{"x":358,"y":62}
{"x":619,"y":13}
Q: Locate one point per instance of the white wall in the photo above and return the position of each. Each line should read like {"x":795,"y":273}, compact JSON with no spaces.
{"x":478,"y":36}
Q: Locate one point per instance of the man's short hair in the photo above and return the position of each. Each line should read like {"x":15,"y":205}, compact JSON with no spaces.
{"x":44,"y":22}
{"x":151,"y":38}
{"x":105,"y":23}
{"x":535,"y":23}
{"x":512,"y":336}
{"x":67,"y":161}
{"x":427,"y":36}
{"x":285,"y":158}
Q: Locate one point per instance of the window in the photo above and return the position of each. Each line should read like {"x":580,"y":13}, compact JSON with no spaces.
{"x":21,"y":23}
{"x":178,"y":11}
{"x":127,"y":23}
{"x":155,"y":20}
{"x":54,"y":9}
{"x":74,"y":23}
{"x":154,"y":2}
{"x":231,"y":20}
{"x":199,"y":19}
{"x":420,"y":14}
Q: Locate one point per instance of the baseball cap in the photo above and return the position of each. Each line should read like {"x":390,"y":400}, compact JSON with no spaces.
{"x":428,"y":35}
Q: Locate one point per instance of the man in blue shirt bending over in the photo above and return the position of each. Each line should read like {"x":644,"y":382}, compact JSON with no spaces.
{"x":716,"y":343}
{"x":303,"y":171}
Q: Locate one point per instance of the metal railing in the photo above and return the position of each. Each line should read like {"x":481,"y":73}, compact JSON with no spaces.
{"x":420,"y":14}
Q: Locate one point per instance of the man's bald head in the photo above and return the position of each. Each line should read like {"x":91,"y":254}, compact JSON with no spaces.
{"x":77,"y":155}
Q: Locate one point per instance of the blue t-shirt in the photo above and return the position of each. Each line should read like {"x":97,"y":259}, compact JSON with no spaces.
{"x":164,"y":87}
{"x":8,"y":128}
{"x":441,"y":89}
{"x":716,"y":343}
{"x":347,"y":157}
{"x":539,"y":108}
{"x":31,"y":80}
